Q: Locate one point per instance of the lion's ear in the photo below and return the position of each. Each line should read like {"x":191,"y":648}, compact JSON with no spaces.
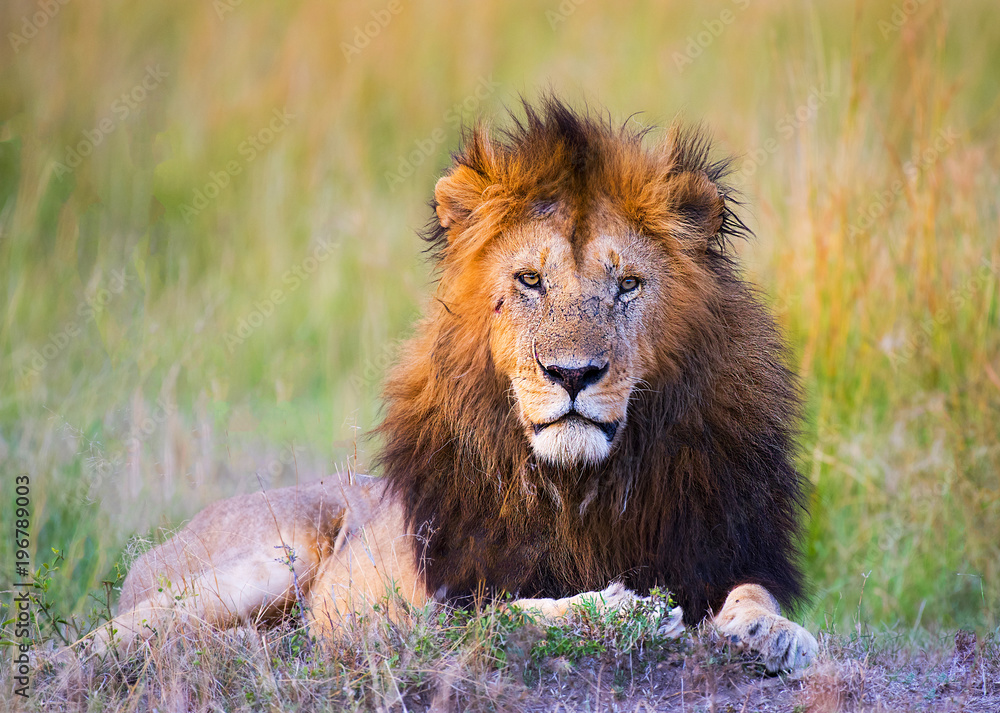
{"x":696,"y":200}
{"x":457,"y":195}
{"x":462,"y":190}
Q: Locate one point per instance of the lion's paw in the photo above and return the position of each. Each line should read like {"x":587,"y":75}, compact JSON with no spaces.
{"x":782,"y":644}
{"x":670,"y":619}
{"x":614,"y":597}
{"x":750,"y":620}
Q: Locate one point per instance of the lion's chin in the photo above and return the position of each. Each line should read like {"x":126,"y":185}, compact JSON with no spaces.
{"x":572,"y":441}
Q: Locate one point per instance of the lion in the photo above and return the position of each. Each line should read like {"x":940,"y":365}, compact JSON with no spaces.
{"x":595,"y":402}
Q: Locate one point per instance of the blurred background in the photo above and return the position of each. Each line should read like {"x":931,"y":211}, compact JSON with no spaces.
{"x":208,"y":254}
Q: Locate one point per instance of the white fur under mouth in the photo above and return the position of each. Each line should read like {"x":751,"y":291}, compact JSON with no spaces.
{"x":571,"y":440}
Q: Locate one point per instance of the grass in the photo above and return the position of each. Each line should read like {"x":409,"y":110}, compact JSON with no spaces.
{"x":493,"y":658}
{"x":210,"y":297}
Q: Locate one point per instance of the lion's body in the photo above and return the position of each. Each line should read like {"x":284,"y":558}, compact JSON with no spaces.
{"x":595,"y":397}
{"x":694,"y":499}
{"x":699,"y":493}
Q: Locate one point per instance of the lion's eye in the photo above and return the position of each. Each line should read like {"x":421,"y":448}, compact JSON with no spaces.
{"x":628,"y":284}
{"x":530,"y":279}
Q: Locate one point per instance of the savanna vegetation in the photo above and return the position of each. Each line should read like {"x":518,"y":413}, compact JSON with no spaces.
{"x":208,"y":256}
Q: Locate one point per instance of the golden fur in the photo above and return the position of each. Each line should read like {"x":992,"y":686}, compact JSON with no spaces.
{"x":595,"y":397}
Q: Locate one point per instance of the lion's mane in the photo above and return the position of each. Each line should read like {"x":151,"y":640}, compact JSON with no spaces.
{"x":701,"y":492}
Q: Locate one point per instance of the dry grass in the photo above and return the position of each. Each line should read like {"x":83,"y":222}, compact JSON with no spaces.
{"x":490,"y":660}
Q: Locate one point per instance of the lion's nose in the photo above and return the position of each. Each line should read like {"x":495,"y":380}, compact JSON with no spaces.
{"x":575,"y":380}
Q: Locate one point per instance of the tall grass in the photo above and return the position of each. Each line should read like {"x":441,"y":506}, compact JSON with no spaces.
{"x":253,"y":325}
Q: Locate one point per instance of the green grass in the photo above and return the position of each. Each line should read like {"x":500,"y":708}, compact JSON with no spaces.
{"x":868,"y":158}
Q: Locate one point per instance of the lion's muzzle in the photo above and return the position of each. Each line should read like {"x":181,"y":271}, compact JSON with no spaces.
{"x":571,"y":398}
{"x":610,"y":428}
{"x":574,"y":378}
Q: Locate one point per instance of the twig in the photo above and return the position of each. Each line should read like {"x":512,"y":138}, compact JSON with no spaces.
{"x":289,"y":555}
{"x":597,"y":695}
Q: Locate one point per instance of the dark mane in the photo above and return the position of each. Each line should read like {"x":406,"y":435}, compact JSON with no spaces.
{"x":579,"y":139}
{"x":700,"y":494}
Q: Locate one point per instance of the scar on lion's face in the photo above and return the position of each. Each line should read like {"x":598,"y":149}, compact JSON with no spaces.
{"x":568,"y":327}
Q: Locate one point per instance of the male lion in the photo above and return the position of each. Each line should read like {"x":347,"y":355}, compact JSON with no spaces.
{"x":595,"y":397}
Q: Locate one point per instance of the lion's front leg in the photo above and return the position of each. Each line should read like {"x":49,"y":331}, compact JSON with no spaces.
{"x":614,"y":597}
{"x":375,"y":566}
{"x":751,"y":618}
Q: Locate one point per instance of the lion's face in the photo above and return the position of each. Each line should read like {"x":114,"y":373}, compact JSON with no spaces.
{"x":579,"y":258}
{"x":569,"y":330}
